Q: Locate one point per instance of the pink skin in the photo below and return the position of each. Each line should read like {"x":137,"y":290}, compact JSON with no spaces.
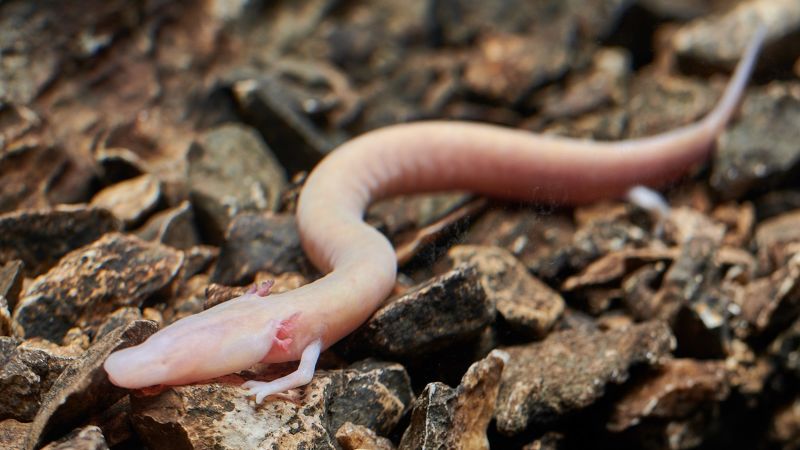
{"x":401,"y":159}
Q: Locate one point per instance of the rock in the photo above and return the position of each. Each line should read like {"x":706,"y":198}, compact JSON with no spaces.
{"x":673,"y":392}
{"x":40,"y":238}
{"x":27,"y":371}
{"x":117,"y":270}
{"x":32,"y":174}
{"x":259,"y":242}
{"x":174,"y":227}
{"x":231,"y":170}
{"x":786,"y":348}
{"x":784,"y":429}
{"x":443,"y":417}
{"x":13,"y":433}
{"x":449,"y":309}
{"x":562,"y":374}
{"x":83,"y":387}
{"x":507,"y":67}
{"x":772,"y":302}
{"x":721,"y":39}
{"x":353,"y":437}
{"x":218,"y":414}
{"x":759,"y":150}
{"x":11,"y":275}
{"x":529,"y":306}
{"x":266,"y":105}
{"x":89,"y":437}
{"x":131,"y":200}
{"x":774,"y":239}
{"x":540,"y":241}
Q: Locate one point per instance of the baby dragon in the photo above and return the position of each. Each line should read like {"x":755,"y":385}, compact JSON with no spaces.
{"x":360,"y":262}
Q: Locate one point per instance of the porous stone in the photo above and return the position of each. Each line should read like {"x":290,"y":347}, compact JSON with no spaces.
{"x":444,"y":417}
{"x":451,"y":308}
{"x":562,"y":374}
{"x":218,"y":414}
{"x":117,"y":270}
{"x":39,"y":238}
{"x":529,"y":306}
{"x":231,"y":170}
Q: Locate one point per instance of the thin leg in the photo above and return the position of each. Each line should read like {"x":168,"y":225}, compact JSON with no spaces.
{"x":652,"y":202}
{"x":300,"y":377}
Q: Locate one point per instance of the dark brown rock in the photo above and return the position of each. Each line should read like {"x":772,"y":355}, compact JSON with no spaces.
{"x":89,"y":437}
{"x":231,"y":170}
{"x":11,"y":283}
{"x":174,"y":227}
{"x":444,"y":417}
{"x":118,"y":270}
{"x":449,"y":309}
{"x":529,"y":306}
{"x":40,"y":238}
{"x":259,"y":242}
{"x":83,"y":387}
{"x":774,"y":238}
{"x":218,"y":414}
{"x":759,"y":150}
{"x":784,"y":429}
{"x":565,"y":372}
{"x":786,"y":348}
{"x":771,"y":302}
{"x":131,"y":200}
{"x":507,"y":66}
{"x":674,"y":391}
{"x":27,"y":371}
{"x":266,"y":106}
{"x":538,"y":238}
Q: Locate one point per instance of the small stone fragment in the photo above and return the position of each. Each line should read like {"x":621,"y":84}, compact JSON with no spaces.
{"x":354,"y":437}
{"x":259,"y":242}
{"x":508,"y":66}
{"x":772,"y":301}
{"x":444,"y":417}
{"x":784,"y":429}
{"x":13,"y":433}
{"x":11,"y":275}
{"x":174,"y":227}
{"x":538,"y":240}
{"x":27,"y":371}
{"x":760,"y":149}
{"x":674,"y":391}
{"x":41,"y":238}
{"x":117,"y":270}
{"x":569,"y":370}
{"x":6,"y":324}
{"x":218,"y":414}
{"x":83,"y":388}
{"x":266,"y":105}
{"x":130,"y":200}
{"x":616,"y":265}
{"x":89,"y":437}
{"x":720,"y":39}
{"x":450,"y":308}
{"x":774,"y":236}
{"x":527,"y":305}
{"x":550,"y":441}
{"x":231,"y":170}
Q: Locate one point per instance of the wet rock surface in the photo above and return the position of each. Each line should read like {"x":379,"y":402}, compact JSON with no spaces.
{"x":144,"y":156}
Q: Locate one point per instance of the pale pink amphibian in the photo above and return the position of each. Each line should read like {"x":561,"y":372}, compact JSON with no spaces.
{"x":416,"y":157}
